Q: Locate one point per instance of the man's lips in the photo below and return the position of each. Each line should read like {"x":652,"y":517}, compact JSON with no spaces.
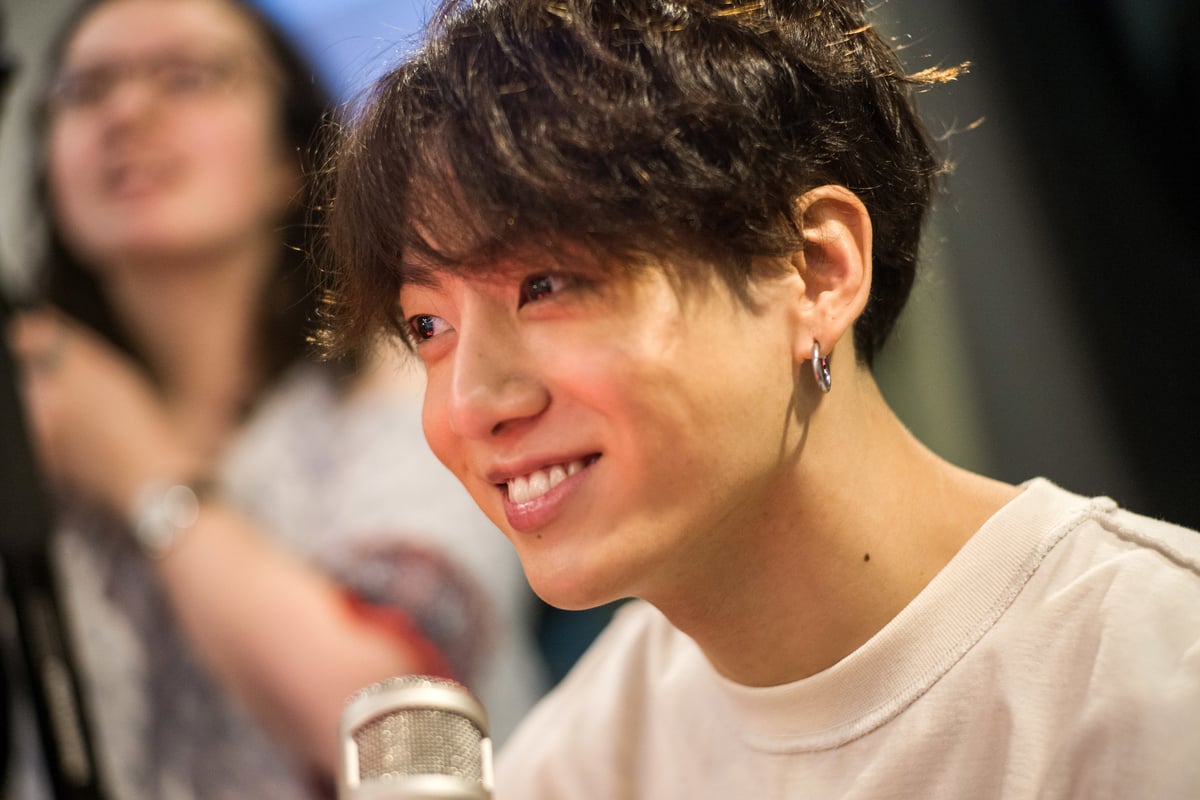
{"x":524,"y":488}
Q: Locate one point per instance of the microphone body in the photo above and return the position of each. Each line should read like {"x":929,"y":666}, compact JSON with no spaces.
{"x":414,"y":738}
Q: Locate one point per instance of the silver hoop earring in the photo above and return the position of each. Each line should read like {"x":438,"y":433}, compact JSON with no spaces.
{"x":820,"y":367}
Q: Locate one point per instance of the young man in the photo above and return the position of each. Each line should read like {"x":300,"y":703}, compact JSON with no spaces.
{"x":647,"y":251}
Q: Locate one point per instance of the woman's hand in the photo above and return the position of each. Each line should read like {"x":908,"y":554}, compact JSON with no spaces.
{"x":97,"y":422}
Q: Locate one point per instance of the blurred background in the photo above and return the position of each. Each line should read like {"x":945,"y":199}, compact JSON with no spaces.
{"x":1051,"y":332}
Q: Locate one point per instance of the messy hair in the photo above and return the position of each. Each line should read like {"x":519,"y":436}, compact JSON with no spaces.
{"x":628,"y":126}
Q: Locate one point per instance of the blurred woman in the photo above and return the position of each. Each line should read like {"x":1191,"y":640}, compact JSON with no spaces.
{"x":248,"y":536}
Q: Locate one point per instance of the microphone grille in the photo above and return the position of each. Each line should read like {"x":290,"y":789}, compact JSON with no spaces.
{"x":413,"y":727}
{"x":419,"y":742}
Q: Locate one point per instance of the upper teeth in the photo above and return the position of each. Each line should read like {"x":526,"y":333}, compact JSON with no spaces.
{"x":535,"y":484}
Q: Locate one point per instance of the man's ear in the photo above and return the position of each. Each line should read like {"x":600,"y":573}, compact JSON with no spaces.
{"x":834,"y":264}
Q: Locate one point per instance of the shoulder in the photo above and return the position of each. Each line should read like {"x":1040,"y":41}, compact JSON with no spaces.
{"x":1099,"y":531}
{"x":1103,"y":543}
{"x":1108,"y":569}
{"x":1115,"y":606}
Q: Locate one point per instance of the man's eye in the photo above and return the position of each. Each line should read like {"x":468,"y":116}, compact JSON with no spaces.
{"x":423,"y":327}
{"x":537,"y":287}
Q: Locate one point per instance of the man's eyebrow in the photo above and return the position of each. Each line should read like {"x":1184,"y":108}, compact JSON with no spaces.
{"x":420,"y":273}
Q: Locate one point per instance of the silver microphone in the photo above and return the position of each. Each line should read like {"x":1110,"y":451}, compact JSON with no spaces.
{"x":414,"y":738}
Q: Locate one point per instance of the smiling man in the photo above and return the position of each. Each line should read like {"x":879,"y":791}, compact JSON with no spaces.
{"x":647,"y":252}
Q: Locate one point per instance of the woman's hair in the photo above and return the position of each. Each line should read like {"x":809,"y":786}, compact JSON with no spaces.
{"x":655,"y":127}
{"x":290,"y":303}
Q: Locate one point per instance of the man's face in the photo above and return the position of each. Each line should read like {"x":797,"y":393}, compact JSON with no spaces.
{"x":621,"y":431}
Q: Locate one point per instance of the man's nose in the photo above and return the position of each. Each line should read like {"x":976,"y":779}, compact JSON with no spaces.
{"x":495,"y":384}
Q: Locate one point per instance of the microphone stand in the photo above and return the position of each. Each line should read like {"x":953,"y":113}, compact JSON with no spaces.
{"x":30,"y":582}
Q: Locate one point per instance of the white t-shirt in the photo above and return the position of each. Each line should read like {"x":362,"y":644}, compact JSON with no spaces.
{"x":1056,"y":656}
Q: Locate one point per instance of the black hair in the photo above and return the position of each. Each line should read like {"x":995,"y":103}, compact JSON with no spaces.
{"x":653,"y":126}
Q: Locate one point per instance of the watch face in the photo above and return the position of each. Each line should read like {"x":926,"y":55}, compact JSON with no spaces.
{"x":164,"y":513}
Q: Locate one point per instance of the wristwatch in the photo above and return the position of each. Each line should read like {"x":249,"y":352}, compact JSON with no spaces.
{"x":163,"y":513}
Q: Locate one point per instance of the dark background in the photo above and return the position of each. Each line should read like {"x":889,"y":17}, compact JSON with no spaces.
{"x":1068,"y":239}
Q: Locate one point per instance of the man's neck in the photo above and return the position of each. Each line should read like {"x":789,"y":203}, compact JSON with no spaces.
{"x":859,"y":525}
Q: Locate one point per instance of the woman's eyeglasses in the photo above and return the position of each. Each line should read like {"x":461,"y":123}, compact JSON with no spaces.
{"x":171,"y":77}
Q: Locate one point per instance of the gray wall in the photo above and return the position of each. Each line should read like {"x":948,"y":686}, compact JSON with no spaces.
{"x":30,"y":23}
